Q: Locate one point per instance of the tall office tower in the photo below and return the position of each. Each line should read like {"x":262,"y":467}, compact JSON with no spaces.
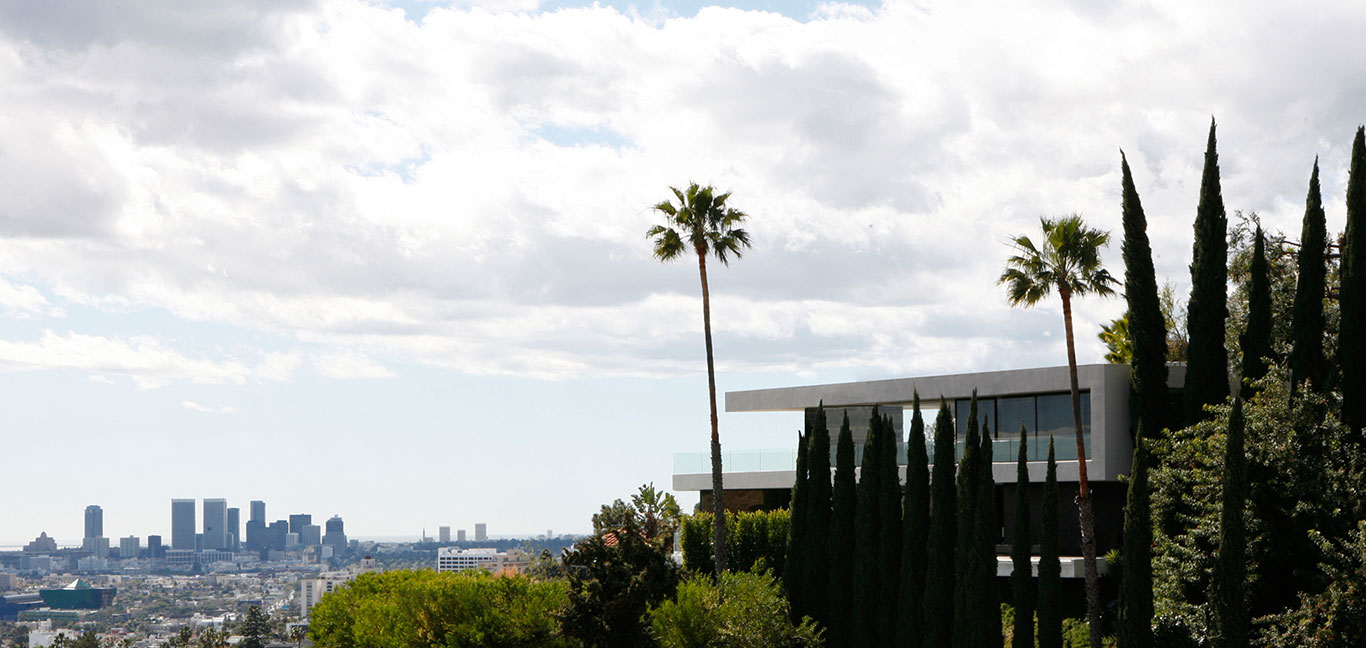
{"x":258,"y":511}
{"x":459,"y":535}
{"x":234,"y":528}
{"x":481,"y":532}
{"x":154,"y":549}
{"x":129,"y":547}
{"x":94,"y":521}
{"x":298,"y":521}
{"x":256,"y":535}
{"x":182,"y":524}
{"x":335,"y":536}
{"x":279,"y":532}
{"x":215,"y":523}
{"x":444,"y":533}
{"x":311,"y":535}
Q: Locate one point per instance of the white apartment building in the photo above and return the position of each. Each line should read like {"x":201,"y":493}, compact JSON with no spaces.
{"x":455,"y":559}
{"x":312,"y":590}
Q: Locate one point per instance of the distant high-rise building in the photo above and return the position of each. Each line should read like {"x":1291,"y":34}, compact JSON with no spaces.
{"x":234,"y":528}
{"x":215,"y":524}
{"x":298,"y":521}
{"x":129,"y":547}
{"x":182,"y":524}
{"x":444,"y":533}
{"x":98,"y":546}
{"x":460,"y":535}
{"x":258,"y":512}
{"x":94,"y":521}
{"x":154,"y":548}
{"x":311,"y":535}
{"x":336,"y":535}
{"x":278,"y":535}
{"x":481,"y":532}
{"x":256,"y":535}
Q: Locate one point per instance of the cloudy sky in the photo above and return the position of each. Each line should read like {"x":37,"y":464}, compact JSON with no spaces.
{"x":387,"y":259}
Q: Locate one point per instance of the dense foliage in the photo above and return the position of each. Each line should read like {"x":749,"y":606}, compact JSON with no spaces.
{"x":816,"y":573}
{"x":412,"y":609}
{"x":1256,"y":340}
{"x":1207,"y":365}
{"x":758,"y":540}
{"x":1307,"y":361}
{"x":843,"y":500}
{"x":1353,"y":293}
{"x":613,"y":579}
{"x":915,"y":536}
{"x":1303,"y":478}
{"x":734,"y":610}
{"x":1144,"y":322}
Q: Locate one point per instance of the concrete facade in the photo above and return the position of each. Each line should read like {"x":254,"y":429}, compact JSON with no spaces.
{"x":1111,"y":448}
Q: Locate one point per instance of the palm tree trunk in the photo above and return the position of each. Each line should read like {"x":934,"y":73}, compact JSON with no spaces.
{"x":718,"y":506}
{"x":1084,"y":511}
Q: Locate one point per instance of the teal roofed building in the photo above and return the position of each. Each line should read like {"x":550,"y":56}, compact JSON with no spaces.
{"x":78,"y":595}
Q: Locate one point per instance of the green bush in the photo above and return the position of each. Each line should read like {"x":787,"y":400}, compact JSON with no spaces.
{"x":402,"y":609}
{"x":741,"y":610}
{"x":757,"y":538}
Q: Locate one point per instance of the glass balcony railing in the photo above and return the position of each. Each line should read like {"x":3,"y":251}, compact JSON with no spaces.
{"x":688,"y":463}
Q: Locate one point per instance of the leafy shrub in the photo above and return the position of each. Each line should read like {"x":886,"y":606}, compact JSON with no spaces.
{"x":740,"y":610}
{"x":757,"y":538}
{"x":401,"y":609}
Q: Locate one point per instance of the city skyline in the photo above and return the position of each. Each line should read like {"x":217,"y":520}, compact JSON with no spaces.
{"x":94,"y":522}
{"x":389,"y":258}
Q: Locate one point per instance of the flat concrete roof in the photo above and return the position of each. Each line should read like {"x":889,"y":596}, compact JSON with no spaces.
{"x":900,"y":391}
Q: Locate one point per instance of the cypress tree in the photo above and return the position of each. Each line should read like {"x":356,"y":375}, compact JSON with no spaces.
{"x":1231,"y":618}
{"x":843,"y":507}
{"x":1306,"y":328}
{"x":965,"y":621}
{"x":915,"y":535}
{"x":796,"y":565}
{"x":1147,"y":327}
{"x":1256,"y":340}
{"x":889,"y":532}
{"x":986,"y":533}
{"x":1207,"y":361}
{"x":1050,"y":569}
{"x":939,"y":568}
{"x":867,"y":545}
{"x":1135,"y":627}
{"x":817,"y":579}
{"x":1021,"y":578}
{"x":1352,"y":294}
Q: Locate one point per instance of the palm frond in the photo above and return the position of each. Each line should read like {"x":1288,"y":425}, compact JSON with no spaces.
{"x":1068,"y":259}
{"x":700,"y":221}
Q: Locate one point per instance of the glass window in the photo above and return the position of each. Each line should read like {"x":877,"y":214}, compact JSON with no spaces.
{"x":1055,"y":419}
{"x":986,"y":413}
{"x":1013,"y":413}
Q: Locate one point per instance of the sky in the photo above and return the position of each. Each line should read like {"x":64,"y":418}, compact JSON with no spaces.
{"x":387,"y":259}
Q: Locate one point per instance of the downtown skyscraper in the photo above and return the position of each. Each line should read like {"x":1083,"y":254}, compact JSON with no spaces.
{"x":182,"y":524}
{"x":215,"y":523}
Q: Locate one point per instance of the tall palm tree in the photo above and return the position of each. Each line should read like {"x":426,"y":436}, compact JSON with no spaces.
{"x":1067,"y":259}
{"x":701,"y":222}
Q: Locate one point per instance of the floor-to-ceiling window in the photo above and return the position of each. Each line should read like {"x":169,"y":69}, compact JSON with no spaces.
{"x":1041,"y":416}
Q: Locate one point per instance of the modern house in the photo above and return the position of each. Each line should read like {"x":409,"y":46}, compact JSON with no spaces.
{"x":1036,"y":399}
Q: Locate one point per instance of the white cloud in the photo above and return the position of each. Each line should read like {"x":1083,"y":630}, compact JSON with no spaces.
{"x":206,"y":409}
{"x":350,"y":365}
{"x":25,"y":301}
{"x":392,"y":192}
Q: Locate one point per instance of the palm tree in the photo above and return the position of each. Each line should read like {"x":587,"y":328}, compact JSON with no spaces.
{"x":702,"y":223}
{"x":1069,"y":260}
